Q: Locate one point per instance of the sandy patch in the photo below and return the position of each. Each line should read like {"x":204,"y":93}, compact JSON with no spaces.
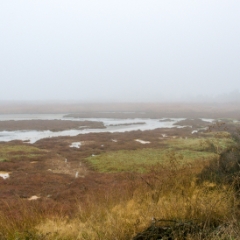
{"x":76,"y":144}
{"x":33,"y":198}
{"x":142,"y":142}
{"x":4,"y":175}
{"x":66,"y":166}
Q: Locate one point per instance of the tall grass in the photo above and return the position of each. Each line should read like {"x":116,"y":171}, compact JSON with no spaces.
{"x":168,"y":193}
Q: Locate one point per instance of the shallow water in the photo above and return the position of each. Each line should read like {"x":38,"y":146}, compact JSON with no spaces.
{"x":33,"y":136}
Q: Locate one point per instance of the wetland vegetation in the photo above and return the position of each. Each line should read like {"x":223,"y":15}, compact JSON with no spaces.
{"x":173,"y":184}
{"x":52,"y":125}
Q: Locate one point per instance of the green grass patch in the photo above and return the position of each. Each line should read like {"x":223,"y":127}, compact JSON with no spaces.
{"x":3,"y":159}
{"x":10,"y":152}
{"x":143,"y":159}
{"x":182,"y":150}
{"x":216,"y":143}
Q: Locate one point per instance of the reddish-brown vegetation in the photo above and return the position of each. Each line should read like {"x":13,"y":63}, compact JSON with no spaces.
{"x":52,"y":125}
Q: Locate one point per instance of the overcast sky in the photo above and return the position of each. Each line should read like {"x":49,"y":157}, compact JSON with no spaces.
{"x":126,"y":50}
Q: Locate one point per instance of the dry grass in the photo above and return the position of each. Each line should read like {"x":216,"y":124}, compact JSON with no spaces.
{"x":170,"y":193}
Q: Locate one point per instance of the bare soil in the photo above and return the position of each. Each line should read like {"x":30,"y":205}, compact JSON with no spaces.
{"x":197,"y":123}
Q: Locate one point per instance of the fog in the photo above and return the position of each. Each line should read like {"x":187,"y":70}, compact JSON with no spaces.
{"x":155,"y":50}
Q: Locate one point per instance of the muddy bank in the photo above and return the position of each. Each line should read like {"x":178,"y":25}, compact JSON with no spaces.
{"x":51,"y":125}
{"x":155,"y":115}
{"x":195,"y":123}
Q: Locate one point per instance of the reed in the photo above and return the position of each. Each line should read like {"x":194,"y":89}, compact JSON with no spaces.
{"x":168,"y":193}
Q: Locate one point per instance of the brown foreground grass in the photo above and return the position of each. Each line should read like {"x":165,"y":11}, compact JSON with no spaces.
{"x":165,"y":194}
{"x":168,"y":193}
